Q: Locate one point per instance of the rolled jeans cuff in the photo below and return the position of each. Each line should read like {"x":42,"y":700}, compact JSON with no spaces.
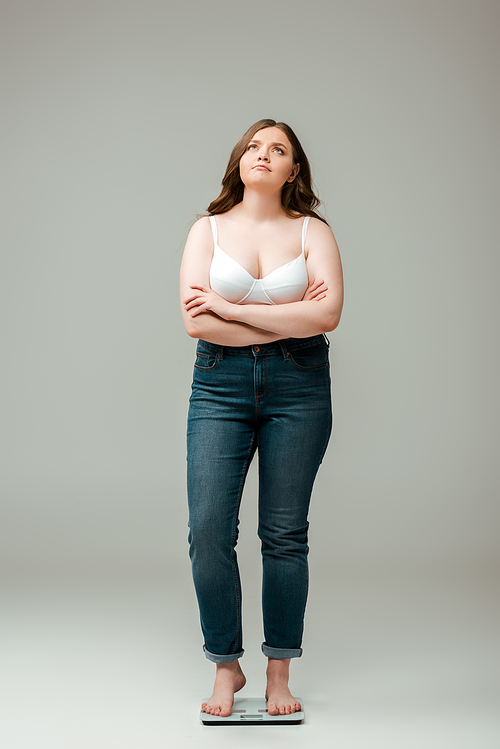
{"x":281,"y":653}
{"x":216,"y":658}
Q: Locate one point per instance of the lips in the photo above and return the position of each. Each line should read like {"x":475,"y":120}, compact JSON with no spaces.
{"x":261,"y":166}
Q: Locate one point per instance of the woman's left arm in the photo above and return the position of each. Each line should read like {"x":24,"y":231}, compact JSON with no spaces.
{"x":297,"y":319}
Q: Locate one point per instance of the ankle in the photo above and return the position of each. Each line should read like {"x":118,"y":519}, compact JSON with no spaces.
{"x":228,"y":668}
{"x":278,"y":669}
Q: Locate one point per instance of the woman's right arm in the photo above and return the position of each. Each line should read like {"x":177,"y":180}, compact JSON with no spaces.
{"x":195,"y":271}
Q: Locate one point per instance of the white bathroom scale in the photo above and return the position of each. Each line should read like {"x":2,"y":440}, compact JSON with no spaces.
{"x":252,"y":711}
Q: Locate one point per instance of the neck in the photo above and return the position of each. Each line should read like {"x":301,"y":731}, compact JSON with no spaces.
{"x":259,"y":206}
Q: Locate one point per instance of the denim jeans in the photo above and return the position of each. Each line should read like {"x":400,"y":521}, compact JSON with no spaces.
{"x":273,"y":398}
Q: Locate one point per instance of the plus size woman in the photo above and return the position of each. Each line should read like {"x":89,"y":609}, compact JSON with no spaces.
{"x":261,"y":284}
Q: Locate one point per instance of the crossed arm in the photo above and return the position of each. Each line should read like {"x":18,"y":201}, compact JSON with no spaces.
{"x":208,"y":316}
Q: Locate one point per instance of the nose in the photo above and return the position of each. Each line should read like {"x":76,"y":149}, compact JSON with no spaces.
{"x":263,"y":155}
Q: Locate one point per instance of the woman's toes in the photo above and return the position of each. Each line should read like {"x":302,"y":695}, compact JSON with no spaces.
{"x":225,"y":710}
{"x":272,"y":708}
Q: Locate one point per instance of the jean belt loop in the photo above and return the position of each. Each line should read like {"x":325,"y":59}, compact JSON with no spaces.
{"x":284,"y":350}
{"x":326,"y":340}
{"x":220,"y":353}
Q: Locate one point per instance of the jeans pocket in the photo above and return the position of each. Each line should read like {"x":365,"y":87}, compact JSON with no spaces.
{"x":205,"y":360}
{"x":311,"y":357}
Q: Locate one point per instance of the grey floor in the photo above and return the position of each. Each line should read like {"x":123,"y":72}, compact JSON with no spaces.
{"x":402,"y":662}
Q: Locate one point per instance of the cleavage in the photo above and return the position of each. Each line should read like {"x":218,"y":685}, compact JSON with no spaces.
{"x":260,"y":277}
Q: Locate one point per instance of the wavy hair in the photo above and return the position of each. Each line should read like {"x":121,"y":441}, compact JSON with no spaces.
{"x":296,"y":196}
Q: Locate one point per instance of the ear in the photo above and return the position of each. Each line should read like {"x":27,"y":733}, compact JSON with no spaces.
{"x":294,"y":173}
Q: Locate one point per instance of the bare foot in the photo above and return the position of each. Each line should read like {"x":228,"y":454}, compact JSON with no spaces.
{"x":280,"y":700}
{"x":228,"y":680}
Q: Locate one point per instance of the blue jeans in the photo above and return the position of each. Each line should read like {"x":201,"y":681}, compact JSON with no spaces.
{"x":274,"y":398}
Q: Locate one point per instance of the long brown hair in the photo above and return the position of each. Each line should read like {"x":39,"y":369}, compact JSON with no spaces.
{"x":296,"y":196}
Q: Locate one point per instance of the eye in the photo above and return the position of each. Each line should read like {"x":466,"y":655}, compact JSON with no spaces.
{"x":252,"y":145}
{"x":280,"y":150}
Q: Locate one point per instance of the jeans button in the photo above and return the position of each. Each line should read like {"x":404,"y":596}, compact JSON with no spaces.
{"x":256,"y":348}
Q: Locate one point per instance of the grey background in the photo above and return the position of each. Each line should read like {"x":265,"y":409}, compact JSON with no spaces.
{"x":117,"y":123}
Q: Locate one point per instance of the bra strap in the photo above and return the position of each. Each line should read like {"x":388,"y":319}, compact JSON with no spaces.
{"x":214,"y":228}
{"x":304,"y":231}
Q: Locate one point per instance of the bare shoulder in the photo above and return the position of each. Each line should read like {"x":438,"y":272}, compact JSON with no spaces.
{"x":199,"y":241}
{"x":320,"y":234}
{"x":201,"y":228}
{"x":197,"y":256}
{"x":319,"y":228}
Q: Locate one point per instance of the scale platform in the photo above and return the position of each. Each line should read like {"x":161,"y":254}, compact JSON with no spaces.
{"x":252,"y":711}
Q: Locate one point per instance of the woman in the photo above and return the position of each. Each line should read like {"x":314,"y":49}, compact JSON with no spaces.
{"x":261,"y":282}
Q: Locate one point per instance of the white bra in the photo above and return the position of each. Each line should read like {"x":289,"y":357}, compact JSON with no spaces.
{"x":231,"y":281}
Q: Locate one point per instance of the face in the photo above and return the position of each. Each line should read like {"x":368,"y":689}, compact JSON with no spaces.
{"x":267,"y":163}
